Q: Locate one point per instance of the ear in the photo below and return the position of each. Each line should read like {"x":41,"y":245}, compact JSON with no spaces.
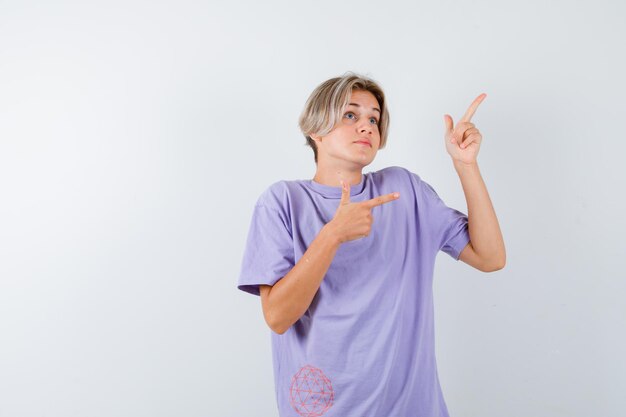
{"x":315,"y":137}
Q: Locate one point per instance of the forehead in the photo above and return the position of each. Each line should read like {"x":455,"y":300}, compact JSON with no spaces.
{"x":363,"y":99}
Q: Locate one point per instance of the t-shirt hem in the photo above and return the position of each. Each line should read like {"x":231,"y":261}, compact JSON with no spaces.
{"x":253,"y":288}
{"x":459,"y":243}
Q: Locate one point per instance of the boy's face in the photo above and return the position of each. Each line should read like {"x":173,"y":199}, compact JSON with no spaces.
{"x":356,"y":137}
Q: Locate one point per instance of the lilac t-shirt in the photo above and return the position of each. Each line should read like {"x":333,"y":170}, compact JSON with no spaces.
{"x":365,"y":347}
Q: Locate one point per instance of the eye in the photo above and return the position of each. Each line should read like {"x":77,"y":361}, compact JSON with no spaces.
{"x":354,"y":117}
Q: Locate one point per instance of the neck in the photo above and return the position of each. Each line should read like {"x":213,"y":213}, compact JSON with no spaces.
{"x":330,"y":175}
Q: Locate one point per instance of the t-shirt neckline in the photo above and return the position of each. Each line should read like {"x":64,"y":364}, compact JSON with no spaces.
{"x":335,"y":192}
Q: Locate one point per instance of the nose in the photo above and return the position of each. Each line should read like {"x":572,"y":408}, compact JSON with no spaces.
{"x":365,"y":126}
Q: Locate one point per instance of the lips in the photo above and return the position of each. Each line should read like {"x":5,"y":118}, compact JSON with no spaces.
{"x":364,"y":142}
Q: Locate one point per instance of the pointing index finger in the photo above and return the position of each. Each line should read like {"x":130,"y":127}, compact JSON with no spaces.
{"x":472,"y":108}
{"x":382,"y":199}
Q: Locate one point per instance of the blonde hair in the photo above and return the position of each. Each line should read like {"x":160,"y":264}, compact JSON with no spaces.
{"x":324,"y":107}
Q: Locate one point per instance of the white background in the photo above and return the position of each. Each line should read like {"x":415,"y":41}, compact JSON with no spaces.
{"x":135,"y":137}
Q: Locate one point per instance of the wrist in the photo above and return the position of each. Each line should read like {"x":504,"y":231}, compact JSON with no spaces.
{"x":462,"y":166}
{"x":328,"y":233}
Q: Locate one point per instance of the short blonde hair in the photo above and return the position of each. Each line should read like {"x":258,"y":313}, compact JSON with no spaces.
{"x":324,"y":107}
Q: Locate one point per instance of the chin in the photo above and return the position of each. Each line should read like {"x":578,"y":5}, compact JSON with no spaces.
{"x":364,"y":162}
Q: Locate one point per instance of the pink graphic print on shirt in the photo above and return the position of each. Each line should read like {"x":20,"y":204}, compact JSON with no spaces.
{"x":311,"y":393}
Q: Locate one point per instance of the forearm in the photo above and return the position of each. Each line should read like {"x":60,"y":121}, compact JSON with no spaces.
{"x":484,"y":229}
{"x":292,"y":295}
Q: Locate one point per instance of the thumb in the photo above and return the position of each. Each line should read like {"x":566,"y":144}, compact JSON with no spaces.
{"x":447,"y":119}
{"x":345,"y":192}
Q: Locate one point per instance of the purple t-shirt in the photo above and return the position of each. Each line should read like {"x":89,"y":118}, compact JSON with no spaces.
{"x":365,"y":347}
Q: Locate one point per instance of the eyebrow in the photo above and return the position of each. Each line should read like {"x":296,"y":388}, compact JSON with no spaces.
{"x":358,"y":105}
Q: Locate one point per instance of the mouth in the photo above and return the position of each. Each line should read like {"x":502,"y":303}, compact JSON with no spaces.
{"x":363,"y":142}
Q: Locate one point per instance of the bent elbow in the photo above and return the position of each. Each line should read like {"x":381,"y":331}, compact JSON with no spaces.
{"x":275,"y":326}
{"x":278,"y":329}
{"x":495,"y":266}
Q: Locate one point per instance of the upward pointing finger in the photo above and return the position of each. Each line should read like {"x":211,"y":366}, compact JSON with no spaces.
{"x":345,"y":192}
{"x":472,"y":108}
{"x":447,"y":119}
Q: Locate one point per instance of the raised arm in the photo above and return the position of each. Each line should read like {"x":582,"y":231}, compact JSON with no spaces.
{"x":486,"y":250}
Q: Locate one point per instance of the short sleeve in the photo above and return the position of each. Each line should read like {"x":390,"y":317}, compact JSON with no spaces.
{"x":450,"y":226}
{"x":269,"y":250}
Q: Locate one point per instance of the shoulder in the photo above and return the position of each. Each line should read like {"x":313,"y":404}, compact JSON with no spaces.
{"x":282,"y":196}
{"x":397,"y":174}
{"x":273,"y":205}
{"x":274,"y":196}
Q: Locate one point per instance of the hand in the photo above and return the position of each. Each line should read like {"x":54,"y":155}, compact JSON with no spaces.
{"x":463,"y":141}
{"x":354,"y":220}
